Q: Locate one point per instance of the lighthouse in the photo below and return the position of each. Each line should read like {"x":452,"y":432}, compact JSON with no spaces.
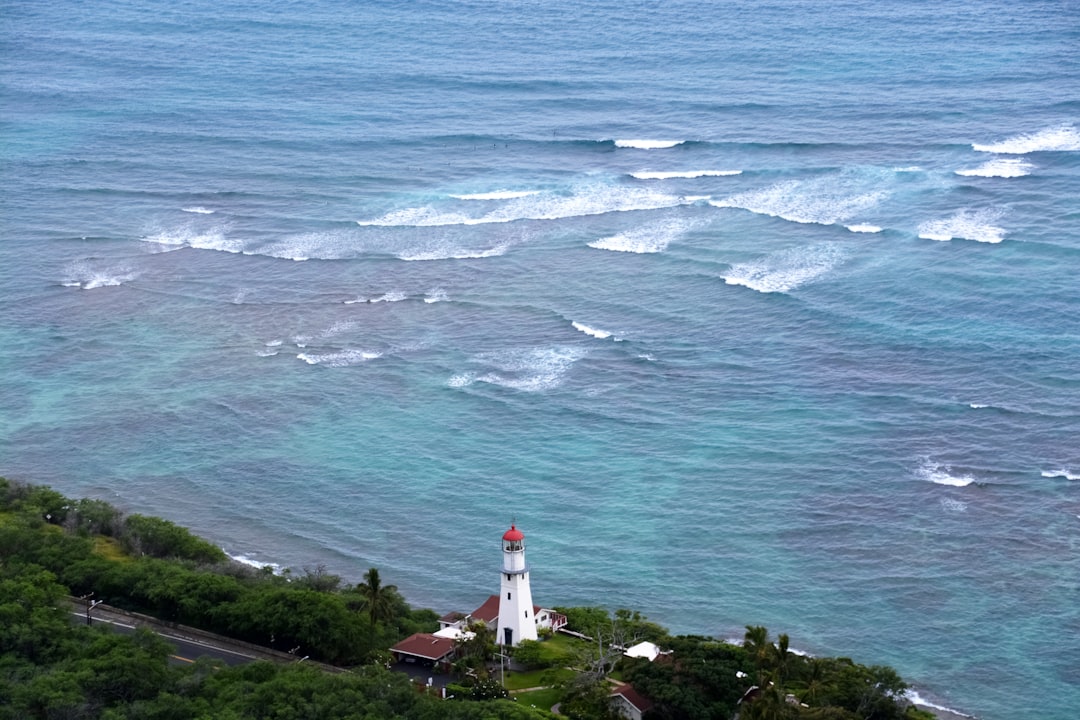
{"x":516,"y":611}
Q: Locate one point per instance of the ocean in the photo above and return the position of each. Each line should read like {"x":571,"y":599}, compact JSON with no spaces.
{"x":746,"y":313}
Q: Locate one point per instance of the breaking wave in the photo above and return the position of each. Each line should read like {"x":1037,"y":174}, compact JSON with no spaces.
{"x":1000,"y":167}
{"x":527,"y":370}
{"x":648,"y":144}
{"x":787,"y":269}
{"x":688,"y":174}
{"x":583,"y":201}
{"x":651,"y":238}
{"x":825,"y":200}
{"x":497,"y":195}
{"x":1054,"y":139}
{"x":582,"y":327}
{"x":967,"y":225}
{"x":85,"y":274}
{"x":943,"y":475}
{"x":340,"y":358}
{"x":198,"y":210}
{"x":200,"y":240}
{"x":1061,"y":474}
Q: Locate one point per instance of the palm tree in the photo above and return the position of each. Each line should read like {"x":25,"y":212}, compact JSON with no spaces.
{"x":377,"y":599}
{"x":756,"y":642}
{"x":781,"y":659}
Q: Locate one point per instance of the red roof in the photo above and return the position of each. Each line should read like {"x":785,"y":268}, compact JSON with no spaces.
{"x":425,"y":645}
{"x":488,"y":612}
{"x":513,"y":534}
{"x":633,"y":697}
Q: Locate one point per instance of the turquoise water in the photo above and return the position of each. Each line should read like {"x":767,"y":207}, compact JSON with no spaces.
{"x":752,"y":313}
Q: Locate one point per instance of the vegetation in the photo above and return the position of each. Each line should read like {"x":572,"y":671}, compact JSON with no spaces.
{"x":52,"y":547}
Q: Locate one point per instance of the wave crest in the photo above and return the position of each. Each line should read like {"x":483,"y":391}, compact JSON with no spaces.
{"x":1062,"y":138}
{"x":967,"y":225}
{"x":687,"y":174}
{"x":648,"y":144}
{"x":527,"y":370}
{"x":999,"y":167}
{"x":824,"y":201}
{"x":787,"y":269}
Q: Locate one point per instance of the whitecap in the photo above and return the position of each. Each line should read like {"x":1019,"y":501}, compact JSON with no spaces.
{"x":913,"y":695}
{"x":341,"y":358}
{"x":436,"y":295}
{"x":688,"y":174}
{"x":390,"y":297}
{"x":198,"y":210}
{"x":999,"y":167}
{"x":601,"y":334}
{"x":942,"y":475}
{"x":244,"y":560}
{"x":648,"y":144}
{"x":1054,"y":139}
{"x":527,"y":369}
{"x":1061,"y":474}
{"x":596,"y":199}
{"x":968,"y":225}
{"x":785,"y":270}
{"x":651,"y":238}
{"x":863,"y":228}
{"x":89,"y":275}
{"x":823,"y":200}
{"x":497,"y":195}
{"x":977,"y":406}
{"x":453,"y":253}
{"x":189,"y":237}
{"x":908,"y":169}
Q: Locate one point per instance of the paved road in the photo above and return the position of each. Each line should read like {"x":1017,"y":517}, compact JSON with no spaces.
{"x":187,"y":650}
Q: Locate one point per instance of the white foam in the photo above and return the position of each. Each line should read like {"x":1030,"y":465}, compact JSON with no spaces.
{"x":915,"y":698}
{"x":651,"y":238}
{"x":908,"y":169}
{"x":1055,"y":139}
{"x":527,"y":370}
{"x":967,"y":224}
{"x":192,"y":238}
{"x":436,"y":295}
{"x":497,"y":195}
{"x":601,"y":334}
{"x":688,"y":174}
{"x":942,"y":475}
{"x":341,"y":358}
{"x":648,"y":144}
{"x":952,"y":505}
{"x":244,"y":560}
{"x":863,"y":228}
{"x":787,"y":269}
{"x":999,"y":167}
{"x":823,"y":200}
{"x":977,"y":406}
{"x":198,"y":210}
{"x":1061,"y":474}
{"x":595,"y":199}
{"x":88,"y":275}
{"x":452,"y":253}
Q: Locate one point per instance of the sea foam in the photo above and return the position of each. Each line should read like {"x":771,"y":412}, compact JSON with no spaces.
{"x":1000,"y":168}
{"x":967,"y":224}
{"x":943,"y":475}
{"x":1061,"y":474}
{"x":340,"y":358}
{"x":688,"y":174}
{"x":1053,"y":139}
{"x":648,"y":144}
{"x":786,"y":270}
{"x":88,"y":276}
{"x":527,"y":370}
{"x":582,"y":327}
{"x":651,"y":238}
{"x":582,"y":201}
{"x":214,"y":239}
{"x":198,"y":210}
{"x":497,"y":195}
{"x":825,"y":200}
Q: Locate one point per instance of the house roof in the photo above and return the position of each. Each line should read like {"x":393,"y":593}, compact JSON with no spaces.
{"x":425,"y":645}
{"x":489,"y":611}
{"x":452,"y":617}
{"x":632,"y":696}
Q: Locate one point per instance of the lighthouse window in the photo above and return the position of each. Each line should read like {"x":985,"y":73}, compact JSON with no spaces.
{"x":507,"y":576}
{"x":507,"y":596}
{"x":526,"y":613}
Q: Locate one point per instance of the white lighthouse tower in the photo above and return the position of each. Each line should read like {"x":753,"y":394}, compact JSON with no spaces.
{"x":516,"y":621}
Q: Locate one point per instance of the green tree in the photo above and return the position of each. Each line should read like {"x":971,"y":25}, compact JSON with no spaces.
{"x":377,"y":600}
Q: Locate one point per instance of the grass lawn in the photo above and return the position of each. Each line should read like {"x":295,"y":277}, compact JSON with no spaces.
{"x":542,"y":699}
{"x":109,"y":549}
{"x":537,"y":678}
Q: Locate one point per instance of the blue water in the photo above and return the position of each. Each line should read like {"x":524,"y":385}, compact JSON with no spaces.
{"x":748,"y":312}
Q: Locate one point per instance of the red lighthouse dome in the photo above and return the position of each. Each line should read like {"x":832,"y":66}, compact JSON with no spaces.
{"x":513,"y":535}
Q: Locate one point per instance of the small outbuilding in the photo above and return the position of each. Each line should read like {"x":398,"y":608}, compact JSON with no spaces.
{"x":427,"y":650}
